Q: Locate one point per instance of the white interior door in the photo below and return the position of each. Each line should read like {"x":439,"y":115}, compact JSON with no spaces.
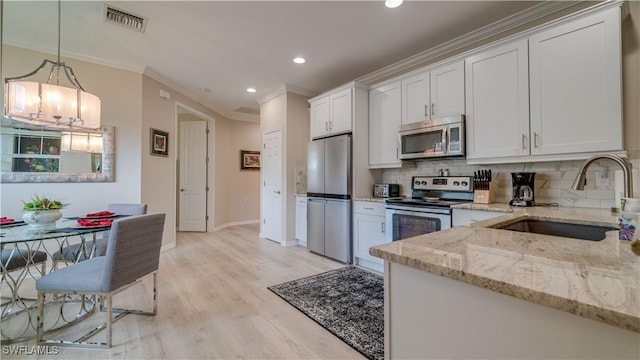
{"x":272,"y":186}
{"x":192,"y":195}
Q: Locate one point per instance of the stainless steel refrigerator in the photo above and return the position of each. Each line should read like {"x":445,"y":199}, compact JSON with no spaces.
{"x":329,"y":197}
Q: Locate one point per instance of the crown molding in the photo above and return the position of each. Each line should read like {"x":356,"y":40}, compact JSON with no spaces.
{"x":522,"y":18}
{"x":286,"y":88}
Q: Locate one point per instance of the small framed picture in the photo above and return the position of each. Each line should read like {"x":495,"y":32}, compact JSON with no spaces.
{"x":249,"y":160}
{"x":159,"y":142}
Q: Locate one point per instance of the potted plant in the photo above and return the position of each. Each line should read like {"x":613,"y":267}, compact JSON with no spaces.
{"x":42,"y":212}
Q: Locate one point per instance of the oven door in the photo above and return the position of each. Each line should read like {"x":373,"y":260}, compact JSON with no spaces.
{"x":406,"y":223}
{"x":423,"y":142}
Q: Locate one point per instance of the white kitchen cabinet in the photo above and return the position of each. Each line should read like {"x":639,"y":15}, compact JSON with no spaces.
{"x":463,"y":217}
{"x":497,"y":97}
{"x":332,"y":114}
{"x":575,"y":75}
{"x":369,"y":229}
{"x":301,"y":220}
{"x":553,"y":95}
{"x":433,"y":93}
{"x":384,"y":119}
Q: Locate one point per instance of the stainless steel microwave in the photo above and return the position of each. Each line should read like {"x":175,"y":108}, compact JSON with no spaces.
{"x":432,"y":138}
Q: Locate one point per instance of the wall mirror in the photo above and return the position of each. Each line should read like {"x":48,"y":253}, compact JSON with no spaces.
{"x":39,"y":155}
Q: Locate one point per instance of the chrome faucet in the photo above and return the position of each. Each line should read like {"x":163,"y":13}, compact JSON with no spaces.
{"x":578,"y":184}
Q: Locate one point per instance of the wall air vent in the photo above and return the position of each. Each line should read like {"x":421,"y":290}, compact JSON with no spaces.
{"x":123,"y":18}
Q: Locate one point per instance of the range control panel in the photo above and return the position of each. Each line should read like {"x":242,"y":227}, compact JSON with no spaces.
{"x":446,"y":183}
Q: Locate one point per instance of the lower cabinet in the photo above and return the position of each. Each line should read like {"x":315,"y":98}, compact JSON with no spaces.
{"x":369,"y":229}
{"x":301,"y":220}
{"x":462,"y":217}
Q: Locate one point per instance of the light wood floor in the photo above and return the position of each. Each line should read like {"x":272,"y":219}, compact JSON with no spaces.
{"x":213,"y":302}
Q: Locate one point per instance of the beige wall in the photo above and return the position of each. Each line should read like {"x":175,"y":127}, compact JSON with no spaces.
{"x":120,"y":92}
{"x":131,"y":103}
{"x":289,"y":112}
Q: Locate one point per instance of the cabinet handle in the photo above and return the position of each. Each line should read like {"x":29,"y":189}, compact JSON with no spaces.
{"x":433,"y":109}
{"x":330,"y":125}
{"x":535,"y":139}
{"x":326,"y":126}
{"x":524,"y":139}
{"x":384,"y":228}
{"x":426,"y":110}
{"x":368,"y":208}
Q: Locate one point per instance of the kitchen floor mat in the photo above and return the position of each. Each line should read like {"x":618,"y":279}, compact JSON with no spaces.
{"x":349,"y":302}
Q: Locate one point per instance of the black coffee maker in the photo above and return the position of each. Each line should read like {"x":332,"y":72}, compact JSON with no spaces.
{"x":523,"y":185}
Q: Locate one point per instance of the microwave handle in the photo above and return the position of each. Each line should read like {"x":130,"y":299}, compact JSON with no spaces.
{"x":445,"y":139}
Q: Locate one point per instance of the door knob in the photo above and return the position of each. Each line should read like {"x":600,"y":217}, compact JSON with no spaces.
{"x":277,"y":191}
{"x":181,"y":190}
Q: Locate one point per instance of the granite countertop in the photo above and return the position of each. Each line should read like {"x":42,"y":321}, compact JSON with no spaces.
{"x":599,"y":280}
{"x":371,"y":199}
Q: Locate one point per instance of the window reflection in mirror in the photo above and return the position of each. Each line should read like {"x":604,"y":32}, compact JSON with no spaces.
{"x":45,"y":155}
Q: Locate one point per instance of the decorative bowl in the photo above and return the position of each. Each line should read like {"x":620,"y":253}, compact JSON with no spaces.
{"x":42,"y":219}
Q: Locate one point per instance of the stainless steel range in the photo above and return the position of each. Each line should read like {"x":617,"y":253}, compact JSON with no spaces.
{"x":429,"y":208}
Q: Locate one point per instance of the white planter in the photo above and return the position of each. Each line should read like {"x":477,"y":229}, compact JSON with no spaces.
{"x":42,"y":219}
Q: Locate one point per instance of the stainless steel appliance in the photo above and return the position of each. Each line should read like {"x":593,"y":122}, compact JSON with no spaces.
{"x":432,"y":138}
{"x":329,"y":197}
{"x":386,"y":190}
{"x":429,"y":208}
{"x":523,"y":184}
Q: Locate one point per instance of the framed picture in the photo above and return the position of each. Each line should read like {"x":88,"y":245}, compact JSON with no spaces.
{"x":249,"y":160}
{"x":159,"y":142}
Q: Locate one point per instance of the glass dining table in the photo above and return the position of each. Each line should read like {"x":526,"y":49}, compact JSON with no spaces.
{"x":27,"y":254}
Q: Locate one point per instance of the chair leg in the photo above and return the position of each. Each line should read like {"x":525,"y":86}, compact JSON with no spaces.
{"x":109,"y":299}
{"x":155,"y":294}
{"x":40,"y":319}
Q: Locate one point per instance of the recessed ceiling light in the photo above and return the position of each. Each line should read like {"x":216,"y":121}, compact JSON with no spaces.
{"x":299,"y":60}
{"x":251,"y":90}
{"x":392,"y":3}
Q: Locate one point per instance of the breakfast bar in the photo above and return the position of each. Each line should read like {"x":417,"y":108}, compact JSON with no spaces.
{"x":481,"y":291}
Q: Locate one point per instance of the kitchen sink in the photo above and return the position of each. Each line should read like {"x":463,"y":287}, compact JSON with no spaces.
{"x":544,"y":227}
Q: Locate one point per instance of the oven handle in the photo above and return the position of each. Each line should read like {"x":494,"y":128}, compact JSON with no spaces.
{"x":417,"y":211}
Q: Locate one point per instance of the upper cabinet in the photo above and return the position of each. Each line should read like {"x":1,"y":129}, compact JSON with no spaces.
{"x":433,"y":93}
{"x":384,"y":119}
{"x":553,"y":95}
{"x":332,"y":114}
{"x":497,"y":90}
{"x":575,"y":74}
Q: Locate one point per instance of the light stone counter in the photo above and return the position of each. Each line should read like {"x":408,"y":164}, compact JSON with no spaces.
{"x":599,"y":280}
{"x":371,"y":199}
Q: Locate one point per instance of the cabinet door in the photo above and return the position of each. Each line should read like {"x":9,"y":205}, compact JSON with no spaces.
{"x":447,"y":90}
{"x":341,"y":112}
{"x":497,"y":102}
{"x":320,"y":118}
{"x":301,"y":220}
{"x":384,"y":119}
{"x":368,"y":231}
{"x":416,"y":103}
{"x":576,"y":86}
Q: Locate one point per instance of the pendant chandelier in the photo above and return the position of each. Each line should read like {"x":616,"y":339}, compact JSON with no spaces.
{"x":49,"y":104}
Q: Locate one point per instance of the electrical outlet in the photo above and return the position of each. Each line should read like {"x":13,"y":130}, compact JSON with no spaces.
{"x":602,"y":176}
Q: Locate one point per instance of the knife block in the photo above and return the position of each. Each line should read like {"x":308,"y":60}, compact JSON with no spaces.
{"x":484,"y":196}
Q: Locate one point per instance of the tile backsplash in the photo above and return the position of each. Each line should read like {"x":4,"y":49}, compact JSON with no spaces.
{"x":552,"y":183}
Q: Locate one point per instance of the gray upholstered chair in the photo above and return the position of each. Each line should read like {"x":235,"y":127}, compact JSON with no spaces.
{"x":76,"y":252}
{"x":16,"y":258}
{"x":133,"y":252}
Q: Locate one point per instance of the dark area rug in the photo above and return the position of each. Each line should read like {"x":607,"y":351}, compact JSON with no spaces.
{"x":349,"y":302}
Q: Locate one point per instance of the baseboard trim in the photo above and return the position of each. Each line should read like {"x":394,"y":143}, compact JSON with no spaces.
{"x":234,"y":223}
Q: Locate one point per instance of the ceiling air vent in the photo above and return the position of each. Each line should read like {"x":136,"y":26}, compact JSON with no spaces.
{"x":123,"y":18}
